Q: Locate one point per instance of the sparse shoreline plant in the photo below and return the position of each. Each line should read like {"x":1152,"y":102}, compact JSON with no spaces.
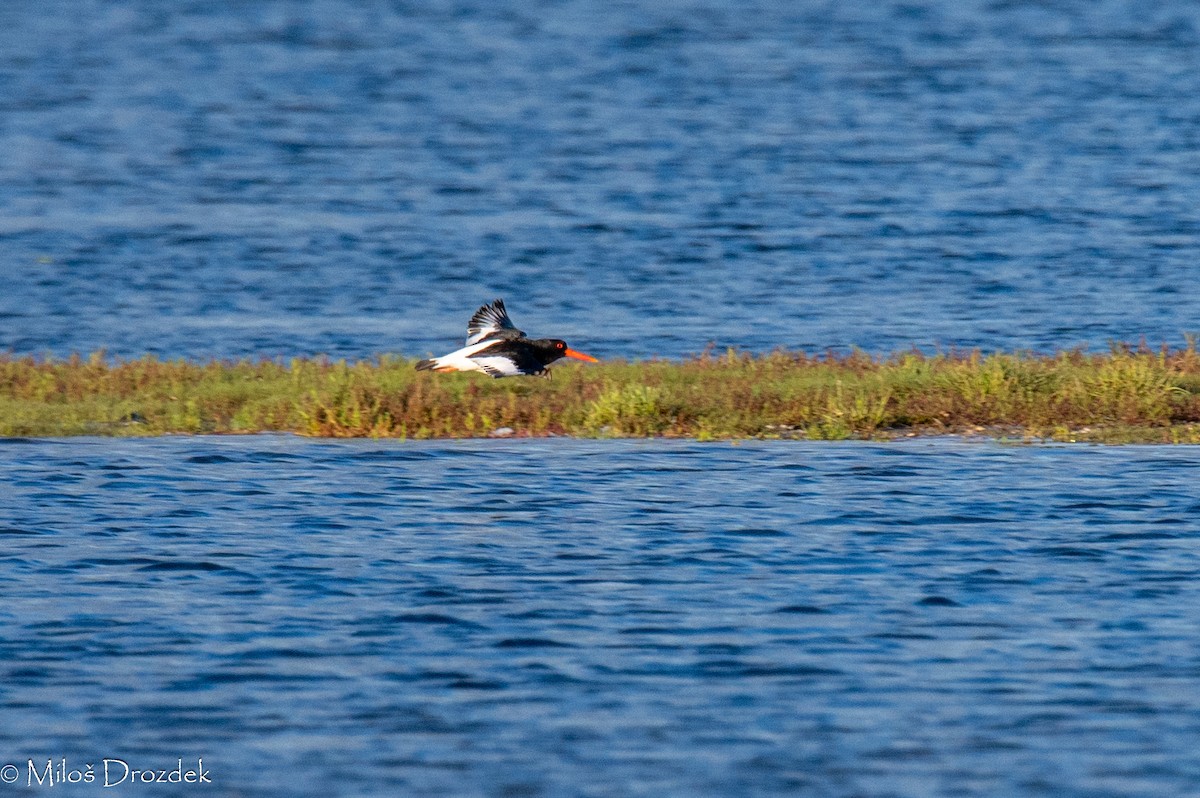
{"x":1128,"y":394}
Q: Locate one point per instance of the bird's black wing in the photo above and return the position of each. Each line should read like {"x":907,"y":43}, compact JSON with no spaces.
{"x":508,"y":358}
{"x":491,"y":321}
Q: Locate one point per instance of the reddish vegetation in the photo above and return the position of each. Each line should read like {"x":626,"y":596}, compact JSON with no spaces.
{"x":1127,"y":394}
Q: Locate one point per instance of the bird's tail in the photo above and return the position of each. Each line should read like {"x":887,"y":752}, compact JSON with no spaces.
{"x":436,"y":364}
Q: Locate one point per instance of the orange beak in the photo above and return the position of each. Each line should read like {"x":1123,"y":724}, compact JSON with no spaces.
{"x":579,"y":356}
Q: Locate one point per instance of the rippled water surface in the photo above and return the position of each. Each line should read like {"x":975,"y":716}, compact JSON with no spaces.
{"x":224,"y":179}
{"x":606,"y":618}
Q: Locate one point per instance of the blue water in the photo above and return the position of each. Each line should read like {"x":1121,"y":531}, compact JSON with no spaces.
{"x":606,"y":618}
{"x":272,"y":179}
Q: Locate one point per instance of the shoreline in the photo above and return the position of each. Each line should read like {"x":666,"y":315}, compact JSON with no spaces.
{"x":1127,"y":395}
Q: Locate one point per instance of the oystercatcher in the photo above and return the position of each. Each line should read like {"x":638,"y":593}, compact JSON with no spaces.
{"x":497,"y":348}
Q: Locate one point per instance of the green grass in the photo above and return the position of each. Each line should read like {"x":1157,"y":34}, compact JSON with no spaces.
{"x":1125,"y":395}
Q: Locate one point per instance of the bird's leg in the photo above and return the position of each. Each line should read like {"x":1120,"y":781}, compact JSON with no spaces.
{"x":545,"y":374}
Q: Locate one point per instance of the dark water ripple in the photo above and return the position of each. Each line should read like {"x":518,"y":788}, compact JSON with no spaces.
{"x":207,"y":179}
{"x":569,"y":618}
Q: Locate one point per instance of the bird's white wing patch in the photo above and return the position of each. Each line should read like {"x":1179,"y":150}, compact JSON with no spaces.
{"x":488,"y":321}
{"x":497,"y":366}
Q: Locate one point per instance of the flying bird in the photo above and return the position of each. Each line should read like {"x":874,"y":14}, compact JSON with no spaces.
{"x":497,"y":348}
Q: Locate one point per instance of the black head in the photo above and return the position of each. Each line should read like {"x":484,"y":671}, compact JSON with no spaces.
{"x":551,"y":349}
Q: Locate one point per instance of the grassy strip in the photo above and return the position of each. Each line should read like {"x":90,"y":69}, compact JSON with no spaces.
{"x":1125,"y":395}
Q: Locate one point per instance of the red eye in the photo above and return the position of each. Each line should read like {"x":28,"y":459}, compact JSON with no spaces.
{"x":561,"y":345}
